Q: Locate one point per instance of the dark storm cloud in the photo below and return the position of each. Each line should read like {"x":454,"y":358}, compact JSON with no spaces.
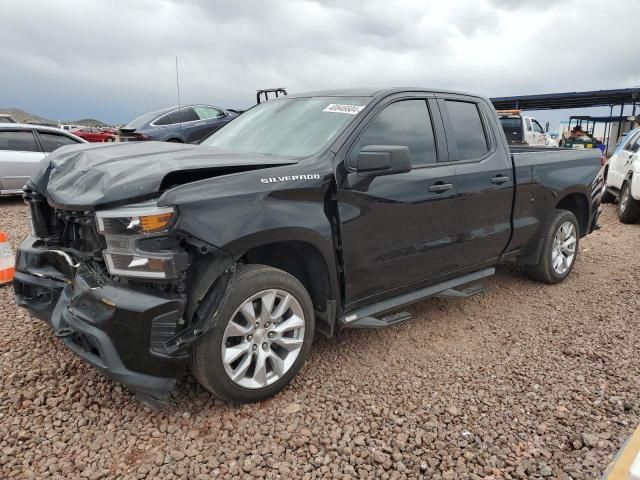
{"x":114,"y":60}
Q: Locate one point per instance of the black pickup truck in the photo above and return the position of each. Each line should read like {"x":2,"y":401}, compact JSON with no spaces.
{"x":306,"y":214}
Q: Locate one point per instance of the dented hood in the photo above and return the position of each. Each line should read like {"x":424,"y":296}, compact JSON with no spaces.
{"x":89,"y":177}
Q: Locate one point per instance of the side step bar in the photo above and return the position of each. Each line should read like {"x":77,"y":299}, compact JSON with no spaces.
{"x":365,"y":317}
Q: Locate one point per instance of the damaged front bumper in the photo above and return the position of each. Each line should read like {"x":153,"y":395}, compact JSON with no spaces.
{"x":121,"y":331}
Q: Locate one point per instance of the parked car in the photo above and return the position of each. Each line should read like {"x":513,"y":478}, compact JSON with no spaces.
{"x":91,"y":134}
{"x":622,"y":175}
{"x":523,"y":130}
{"x":306,"y":214}
{"x":21,"y":149}
{"x":70,"y":128}
{"x":188,"y":124}
{"x":6,"y":118}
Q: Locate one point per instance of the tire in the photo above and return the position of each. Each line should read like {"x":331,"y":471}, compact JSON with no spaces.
{"x":608,"y":197}
{"x":234,"y":332}
{"x":110,"y":139}
{"x":628,"y":207}
{"x":547,"y":270}
{"x":175,"y":140}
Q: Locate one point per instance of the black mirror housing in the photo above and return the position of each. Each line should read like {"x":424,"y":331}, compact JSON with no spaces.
{"x":376,"y":160}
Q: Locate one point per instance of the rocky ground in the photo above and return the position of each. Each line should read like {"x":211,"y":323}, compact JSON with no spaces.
{"x":525,"y":381}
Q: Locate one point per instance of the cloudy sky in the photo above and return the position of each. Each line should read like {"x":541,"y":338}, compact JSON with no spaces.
{"x":115,"y":59}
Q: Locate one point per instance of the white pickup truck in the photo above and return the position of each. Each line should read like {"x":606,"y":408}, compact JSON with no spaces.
{"x":622,"y":175}
{"x":522,"y":130}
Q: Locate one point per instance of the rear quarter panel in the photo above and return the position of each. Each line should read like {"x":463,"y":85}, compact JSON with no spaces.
{"x":544,"y":176}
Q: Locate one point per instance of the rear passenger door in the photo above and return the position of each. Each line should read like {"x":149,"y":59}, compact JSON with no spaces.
{"x":19,"y":158}
{"x":397,"y":230}
{"x":484,"y":180}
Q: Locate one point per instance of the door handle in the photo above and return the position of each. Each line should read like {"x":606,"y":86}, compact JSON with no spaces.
{"x":440,"y":187}
{"x":499,"y":179}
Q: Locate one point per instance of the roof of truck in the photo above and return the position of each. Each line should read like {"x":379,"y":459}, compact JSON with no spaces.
{"x":371,"y":92}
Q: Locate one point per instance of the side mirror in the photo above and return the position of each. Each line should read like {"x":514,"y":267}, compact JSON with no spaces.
{"x":546,"y":127}
{"x":375,"y":160}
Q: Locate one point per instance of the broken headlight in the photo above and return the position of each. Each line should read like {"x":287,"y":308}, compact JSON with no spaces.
{"x":137,"y":241}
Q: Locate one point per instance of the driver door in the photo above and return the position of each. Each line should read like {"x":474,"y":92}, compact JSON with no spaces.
{"x":397,"y":230}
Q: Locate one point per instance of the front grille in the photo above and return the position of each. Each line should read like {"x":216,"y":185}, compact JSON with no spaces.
{"x":63,"y":229}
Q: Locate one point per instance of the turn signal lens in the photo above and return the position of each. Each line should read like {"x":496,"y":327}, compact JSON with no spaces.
{"x":155,"y":223}
{"x":135,"y":220}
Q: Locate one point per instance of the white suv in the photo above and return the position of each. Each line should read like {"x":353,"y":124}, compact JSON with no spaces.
{"x":623,"y":177}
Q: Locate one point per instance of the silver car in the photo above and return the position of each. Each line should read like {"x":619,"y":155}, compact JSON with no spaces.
{"x":21,"y":149}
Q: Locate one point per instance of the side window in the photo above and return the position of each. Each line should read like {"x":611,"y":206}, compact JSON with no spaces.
{"x":537,"y":127}
{"x":206,"y":113}
{"x":167,"y":119}
{"x":18,"y":141}
{"x":632,"y":141}
{"x":52,"y":141}
{"x":188,"y":115}
{"x":468,"y":131}
{"x":405,"y":123}
{"x":184,"y":115}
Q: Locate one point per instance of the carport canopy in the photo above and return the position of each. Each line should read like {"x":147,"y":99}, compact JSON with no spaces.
{"x":550,"y":101}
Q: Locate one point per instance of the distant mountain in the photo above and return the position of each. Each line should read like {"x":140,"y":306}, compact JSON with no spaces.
{"x":21,"y":116}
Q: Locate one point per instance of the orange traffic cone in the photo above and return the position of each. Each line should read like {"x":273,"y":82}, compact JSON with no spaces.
{"x":7,"y":268}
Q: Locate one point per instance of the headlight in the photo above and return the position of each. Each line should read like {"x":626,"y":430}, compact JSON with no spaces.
{"x":135,"y":220}
{"x":137,"y":244}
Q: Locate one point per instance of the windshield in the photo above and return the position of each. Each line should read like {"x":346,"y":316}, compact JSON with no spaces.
{"x":293,"y":127}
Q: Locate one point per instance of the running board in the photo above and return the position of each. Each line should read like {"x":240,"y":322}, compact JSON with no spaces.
{"x":462,"y":293}
{"x":365,"y":317}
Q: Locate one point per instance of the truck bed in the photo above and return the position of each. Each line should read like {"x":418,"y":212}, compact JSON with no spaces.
{"x":528,"y":155}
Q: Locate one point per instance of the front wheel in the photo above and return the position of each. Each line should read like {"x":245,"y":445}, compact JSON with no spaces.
{"x":559,"y":249}
{"x":628,"y":207}
{"x":261,"y":339}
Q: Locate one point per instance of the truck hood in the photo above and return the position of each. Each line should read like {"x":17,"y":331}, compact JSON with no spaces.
{"x":90,"y":177}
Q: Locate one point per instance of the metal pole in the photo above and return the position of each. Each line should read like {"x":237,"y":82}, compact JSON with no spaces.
{"x":607,"y":130}
{"x":620,"y":122}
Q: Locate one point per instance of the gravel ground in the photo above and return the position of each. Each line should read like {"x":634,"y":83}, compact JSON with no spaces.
{"x":525,"y":381}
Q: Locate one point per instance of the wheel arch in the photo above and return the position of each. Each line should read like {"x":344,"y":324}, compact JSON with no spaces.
{"x":306,"y":262}
{"x":578,"y":204}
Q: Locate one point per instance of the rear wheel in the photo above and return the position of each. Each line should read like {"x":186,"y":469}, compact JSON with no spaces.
{"x":559,"y":249}
{"x":262,"y":337}
{"x":110,"y":139}
{"x":628,"y":207}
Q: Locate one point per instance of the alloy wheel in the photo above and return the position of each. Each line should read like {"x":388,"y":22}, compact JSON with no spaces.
{"x":263,"y":338}
{"x":564,"y":248}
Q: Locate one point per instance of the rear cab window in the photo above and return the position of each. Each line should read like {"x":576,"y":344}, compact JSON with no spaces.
{"x":468,"y":136}
{"x":18,"y":141}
